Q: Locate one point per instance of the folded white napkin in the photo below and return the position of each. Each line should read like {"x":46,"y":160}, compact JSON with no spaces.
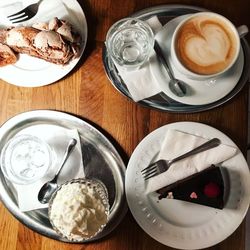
{"x":141,"y":82}
{"x":177,"y":143}
{"x":144,"y":82}
{"x":58,"y":139}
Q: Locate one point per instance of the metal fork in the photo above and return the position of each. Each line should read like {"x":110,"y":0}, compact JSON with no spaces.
{"x":161,"y":166}
{"x":25,"y":14}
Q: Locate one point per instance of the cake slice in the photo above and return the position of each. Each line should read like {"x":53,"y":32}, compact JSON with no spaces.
{"x":204,"y":188}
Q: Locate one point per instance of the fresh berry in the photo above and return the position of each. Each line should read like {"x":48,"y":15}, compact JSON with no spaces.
{"x":212,"y":190}
{"x":193,"y":195}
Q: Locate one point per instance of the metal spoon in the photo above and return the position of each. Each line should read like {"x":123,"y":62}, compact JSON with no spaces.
{"x":50,"y":187}
{"x":177,"y":86}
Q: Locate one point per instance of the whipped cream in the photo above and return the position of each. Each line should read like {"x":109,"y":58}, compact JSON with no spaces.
{"x":78,"y":210}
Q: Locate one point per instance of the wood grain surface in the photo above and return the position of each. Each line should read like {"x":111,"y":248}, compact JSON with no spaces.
{"x":87,"y":93}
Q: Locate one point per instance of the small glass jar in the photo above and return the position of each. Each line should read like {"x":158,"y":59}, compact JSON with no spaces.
{"x":25,"y":159}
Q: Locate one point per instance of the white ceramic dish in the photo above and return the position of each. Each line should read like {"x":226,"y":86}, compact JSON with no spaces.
{"x":180,"y":224}
{"x":34,"y":72}
{"x":200,"y":92}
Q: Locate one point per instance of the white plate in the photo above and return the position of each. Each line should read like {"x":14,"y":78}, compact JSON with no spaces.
{"x":181,"y":224}
{"x":34,"y":72}
{"x":200,"y":92}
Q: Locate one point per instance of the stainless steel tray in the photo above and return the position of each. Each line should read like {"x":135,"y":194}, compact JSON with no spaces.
{"x":161,"y":101}
{"x":100,"y":160}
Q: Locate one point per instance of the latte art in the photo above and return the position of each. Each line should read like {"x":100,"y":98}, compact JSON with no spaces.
{"x":206,"y":45}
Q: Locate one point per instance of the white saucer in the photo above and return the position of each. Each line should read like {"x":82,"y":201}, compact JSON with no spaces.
{"x":200,"y":92}
{"x":181,"y":224}
{"x":34,"y":72}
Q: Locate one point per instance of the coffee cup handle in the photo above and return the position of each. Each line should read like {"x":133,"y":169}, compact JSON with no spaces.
{"x":242,"y":30}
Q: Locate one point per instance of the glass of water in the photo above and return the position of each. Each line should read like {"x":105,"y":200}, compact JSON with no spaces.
{"x":25,"y":159}
{"x":130,"y":42}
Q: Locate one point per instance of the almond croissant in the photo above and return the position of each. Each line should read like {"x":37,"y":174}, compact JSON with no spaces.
{"x":45,"y":44}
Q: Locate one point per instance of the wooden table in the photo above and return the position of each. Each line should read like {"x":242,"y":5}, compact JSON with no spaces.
{"x":87,"y":93}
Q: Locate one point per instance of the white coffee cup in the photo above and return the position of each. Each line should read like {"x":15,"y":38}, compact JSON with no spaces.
{"x":205,"y":45}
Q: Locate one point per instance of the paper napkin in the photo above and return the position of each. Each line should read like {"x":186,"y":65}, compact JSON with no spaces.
{"x":143,"y":82}
{"x":177,"y":143}
{"x":58,"y":139}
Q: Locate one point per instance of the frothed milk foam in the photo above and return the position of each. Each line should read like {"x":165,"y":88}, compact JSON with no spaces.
{"x":206,"y":45}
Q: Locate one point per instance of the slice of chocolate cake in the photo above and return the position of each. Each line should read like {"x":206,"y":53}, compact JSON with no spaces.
{"x":204,"y":188}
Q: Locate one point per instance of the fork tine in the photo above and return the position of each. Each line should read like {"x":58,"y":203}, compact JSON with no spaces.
{"x":148,"y":168}
{"x":150,"y":176}
{"x":145,"y":174}
{"x":21,"y":20}
{"x":18,"y":13}
{"x":17,"y":17}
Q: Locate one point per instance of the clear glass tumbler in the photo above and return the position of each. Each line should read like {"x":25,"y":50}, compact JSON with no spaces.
{"x":130,"y":42}
{"x":25,"y":159}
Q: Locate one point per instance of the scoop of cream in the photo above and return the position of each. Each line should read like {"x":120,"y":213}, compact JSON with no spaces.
{"x":78,"y":211}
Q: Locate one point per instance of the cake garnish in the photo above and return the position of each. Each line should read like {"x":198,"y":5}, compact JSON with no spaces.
{"x":212,"y":190}
{"x":193,"y":195}
{"x":170,"y":195}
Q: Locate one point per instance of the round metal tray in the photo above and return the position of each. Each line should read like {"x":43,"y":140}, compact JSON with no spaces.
{"x":100,"y":161}
{"x":161,"y":101}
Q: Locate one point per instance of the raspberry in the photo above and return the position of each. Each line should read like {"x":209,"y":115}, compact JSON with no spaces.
{"x":212,"y":190}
